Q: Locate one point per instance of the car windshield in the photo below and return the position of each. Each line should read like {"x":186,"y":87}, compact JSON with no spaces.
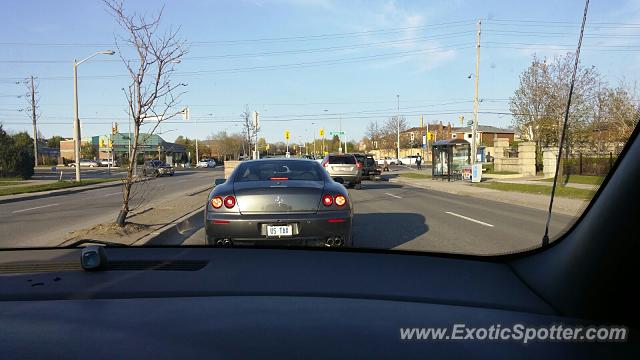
{"x":440,"y":127}
{"x":279,"y":170}
{"x":342,"y":159}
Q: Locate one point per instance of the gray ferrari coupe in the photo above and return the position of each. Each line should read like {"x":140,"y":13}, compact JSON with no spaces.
{"x":279,"y":202}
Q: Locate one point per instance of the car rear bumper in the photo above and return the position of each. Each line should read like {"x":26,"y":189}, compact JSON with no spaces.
{"x":346,"y":178}
{"x":320,"y":229}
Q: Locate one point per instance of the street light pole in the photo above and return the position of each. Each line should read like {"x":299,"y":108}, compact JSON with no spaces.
{"x":398,"y":127}
{"x":474,"y":131}
{"x":76,"y":122}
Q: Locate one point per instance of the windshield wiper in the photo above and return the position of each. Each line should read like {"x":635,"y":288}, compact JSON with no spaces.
{"x":90,"y":241}
{"x":545,"y":238}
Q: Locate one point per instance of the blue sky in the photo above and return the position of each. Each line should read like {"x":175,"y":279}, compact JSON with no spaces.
{"x":349,"y":58}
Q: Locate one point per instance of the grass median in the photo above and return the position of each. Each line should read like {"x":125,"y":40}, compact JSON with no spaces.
{"x":580,"y":179}
{"x":12,"y":190}
{"x":412,"y":175}
{"x":562,"y":191}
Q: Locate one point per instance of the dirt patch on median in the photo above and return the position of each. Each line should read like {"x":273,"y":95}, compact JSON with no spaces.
{"x":111,"y":229}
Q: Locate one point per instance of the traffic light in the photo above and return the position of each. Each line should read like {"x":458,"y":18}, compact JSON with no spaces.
{"x":110,"y":144}
{"x":101,"y":143}
{"x":413,"y":137}
{"x":430,"y":136}
{"x":185,"y":113}
{"x":287,"y":135}
{"x":114,"y":129}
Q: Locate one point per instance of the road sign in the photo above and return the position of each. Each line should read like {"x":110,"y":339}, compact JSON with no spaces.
{"x":321,"y":133}
{"x":336,"y":133}
{"x":287,"y":135}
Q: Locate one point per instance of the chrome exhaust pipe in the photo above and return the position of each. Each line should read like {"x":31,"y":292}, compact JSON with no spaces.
{"x":219,"y":242}
{"x":227,"y":243}
{"x":338,"y":241}
{"x":329,"y":242}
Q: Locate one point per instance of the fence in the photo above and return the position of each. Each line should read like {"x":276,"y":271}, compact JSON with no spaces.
{"x":589,"y":164}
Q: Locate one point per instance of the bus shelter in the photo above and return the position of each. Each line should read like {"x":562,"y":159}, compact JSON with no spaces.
{"x":450,"y":158}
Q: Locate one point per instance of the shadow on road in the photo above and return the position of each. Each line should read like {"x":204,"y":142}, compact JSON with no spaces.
{"x":380,"y":230}
{"x":379,"y":185}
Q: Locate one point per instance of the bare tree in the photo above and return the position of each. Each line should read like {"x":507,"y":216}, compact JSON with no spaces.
{"x":249,"y":129}
{"x":151,"y":96}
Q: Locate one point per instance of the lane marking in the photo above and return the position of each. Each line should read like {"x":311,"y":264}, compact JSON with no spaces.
{"x":116,"y":193}
{"x":395,"y":196}
{"x":33,"y":208}
{"x":468,"y":218}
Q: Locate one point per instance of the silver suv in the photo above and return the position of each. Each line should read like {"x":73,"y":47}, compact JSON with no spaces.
{"x":344,"y":169}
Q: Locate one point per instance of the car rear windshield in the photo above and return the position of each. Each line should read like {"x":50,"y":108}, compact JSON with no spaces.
{"x":279,"y":170}
{"x":369,"y":161}
{"x":342,"y":159}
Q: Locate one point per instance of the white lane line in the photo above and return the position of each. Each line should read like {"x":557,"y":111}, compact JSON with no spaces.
{"x":116,"y":193}
{"x":468,"y":218}
{"x":33,"y":208}
{"x":395,"y":196}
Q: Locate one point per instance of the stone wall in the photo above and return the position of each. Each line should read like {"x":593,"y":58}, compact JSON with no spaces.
{"x":549,"y":161}
{"x":524,"y":164}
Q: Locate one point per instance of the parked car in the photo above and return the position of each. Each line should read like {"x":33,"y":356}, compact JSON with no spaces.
{"x":109,"y":162}
{"x":157,"y":168}
{"x":370,"y":169}
{"x":408,"y":160}
{"x":206,"y":163}
{"x":278,"y":201}
{"x":86,"y":162}
{"x":390,"y":161}
{"x":344,"y":168}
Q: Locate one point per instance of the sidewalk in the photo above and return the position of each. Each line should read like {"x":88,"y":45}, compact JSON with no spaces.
{"x":572,"y":207}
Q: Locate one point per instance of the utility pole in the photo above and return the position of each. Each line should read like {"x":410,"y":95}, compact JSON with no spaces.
{"x":474,"y":131}
{"x":34,"y":119}
{"x":421,"y":129}
{"x":398,"y":127}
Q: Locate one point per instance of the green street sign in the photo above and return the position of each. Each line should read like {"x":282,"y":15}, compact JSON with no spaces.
{"x":336,"y":133}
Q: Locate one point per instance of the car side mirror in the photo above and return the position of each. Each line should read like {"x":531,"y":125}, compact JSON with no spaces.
{"x":217,"y":182}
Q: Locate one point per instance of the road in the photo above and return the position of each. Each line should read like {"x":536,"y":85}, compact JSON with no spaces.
{"x":45,"y":221}
{"x":395,"y":216}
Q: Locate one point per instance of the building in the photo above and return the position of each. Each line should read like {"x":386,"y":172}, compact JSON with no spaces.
{"x":150,"y":146}
{"x":485,"y":134}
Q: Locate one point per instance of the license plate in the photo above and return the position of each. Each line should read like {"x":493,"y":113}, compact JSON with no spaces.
{"x":343,"y":168}
{"x":286,"y":230}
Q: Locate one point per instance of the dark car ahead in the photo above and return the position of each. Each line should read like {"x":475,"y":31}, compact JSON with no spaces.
{"x":278,"y":202}
{"x":370,"y":168}
{"x":157,"y":168}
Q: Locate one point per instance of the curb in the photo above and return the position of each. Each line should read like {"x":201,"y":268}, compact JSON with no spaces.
{"x":175,"y":232}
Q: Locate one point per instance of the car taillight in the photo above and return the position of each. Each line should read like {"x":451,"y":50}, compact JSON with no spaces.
{"x":229,"y":202}
{"x":325,"y":164}
{"x":216,"y":202}
{"x":340,"y":200}
{"x":327,"y":200}
{"x":359,"y":165}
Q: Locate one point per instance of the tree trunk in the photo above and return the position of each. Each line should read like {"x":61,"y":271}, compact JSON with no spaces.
{"x":128,"y":182}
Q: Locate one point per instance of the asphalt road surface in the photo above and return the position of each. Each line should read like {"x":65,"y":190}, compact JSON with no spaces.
{"x":45,"y":221}
{"x":395,"y":216}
